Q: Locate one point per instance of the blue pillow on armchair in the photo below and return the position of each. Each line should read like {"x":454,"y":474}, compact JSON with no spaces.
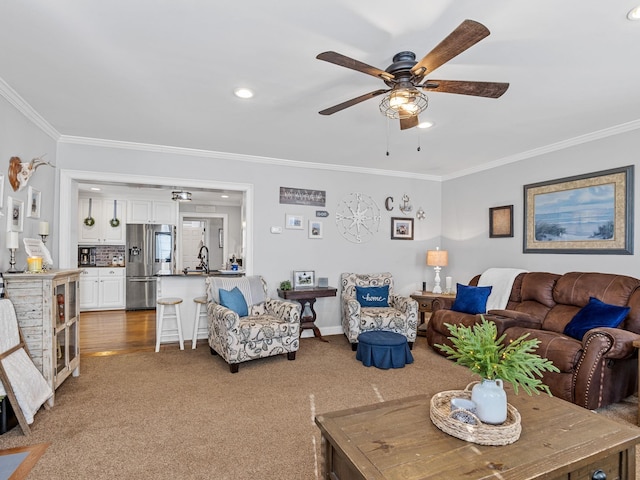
{"x":593,"y":315}
{"x":373,"y":296}
{"x":234,"y":300}
{"x":471,"y":299}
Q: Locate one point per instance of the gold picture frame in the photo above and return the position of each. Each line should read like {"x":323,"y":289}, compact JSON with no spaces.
{"x":585,"y":214}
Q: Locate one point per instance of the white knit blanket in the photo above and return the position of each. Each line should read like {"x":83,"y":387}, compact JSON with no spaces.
{"x":501,"y":281}
{"x":28,"y":384}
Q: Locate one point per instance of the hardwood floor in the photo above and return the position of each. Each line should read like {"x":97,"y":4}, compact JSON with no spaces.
{"x":118,"y":331}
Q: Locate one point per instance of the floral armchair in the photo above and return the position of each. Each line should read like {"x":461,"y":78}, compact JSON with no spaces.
{"x":270,"y":326}
{"x":400,"y":316}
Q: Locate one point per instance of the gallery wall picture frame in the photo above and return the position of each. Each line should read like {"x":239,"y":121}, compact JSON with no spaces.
{"x":304,"y":279}
{"x":294,"y":222}
{"x":401,"y":228}
{"x":1,"y":191}
{"x":501,"y":221}
{"x":316,"y":229}
{"x":583,"y":214}
{"x":15,"y":215}
{"x":34,"y":202}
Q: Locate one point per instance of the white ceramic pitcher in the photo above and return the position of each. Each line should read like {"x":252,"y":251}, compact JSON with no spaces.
{"x":491,"y":401}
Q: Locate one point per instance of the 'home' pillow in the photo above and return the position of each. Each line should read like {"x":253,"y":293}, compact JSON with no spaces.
{"x":234,"y":300}
{"x":593,"y":315}
{"x":373,"y":296}
{"x":471,"y":299}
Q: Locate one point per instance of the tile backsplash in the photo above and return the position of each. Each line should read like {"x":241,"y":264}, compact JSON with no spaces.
{"x":105,"y":254}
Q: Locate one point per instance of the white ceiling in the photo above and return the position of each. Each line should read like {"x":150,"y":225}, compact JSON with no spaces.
{"x":163,"y":72}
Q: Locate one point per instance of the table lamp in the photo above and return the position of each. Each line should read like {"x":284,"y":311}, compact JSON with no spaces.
{"x":437,"y":259}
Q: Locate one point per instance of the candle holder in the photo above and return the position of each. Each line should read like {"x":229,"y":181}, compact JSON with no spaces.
{"x":44,"y":237}
{"x":12,"y":262}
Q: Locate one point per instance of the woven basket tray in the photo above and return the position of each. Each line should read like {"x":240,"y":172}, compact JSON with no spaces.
{"x":481,"y":433}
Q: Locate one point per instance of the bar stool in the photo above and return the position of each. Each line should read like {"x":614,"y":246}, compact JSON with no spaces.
{"x":199,"y":316}
{"x":168,"y":302}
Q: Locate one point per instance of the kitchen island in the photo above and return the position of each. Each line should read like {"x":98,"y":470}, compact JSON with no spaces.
{"x":187,"y":287}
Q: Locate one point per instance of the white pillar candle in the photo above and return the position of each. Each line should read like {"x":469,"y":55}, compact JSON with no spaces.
{"x":44,"y":228}
{"x":12,"y":239}
{"x":448,"y":283}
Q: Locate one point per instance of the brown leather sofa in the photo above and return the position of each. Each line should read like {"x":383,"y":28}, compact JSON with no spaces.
{"x":597,"y":371}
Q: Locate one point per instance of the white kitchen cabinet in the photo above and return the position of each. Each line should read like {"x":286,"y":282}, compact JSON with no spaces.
{"x":111,"y":290}
{"x":89,"y":286}
{"x":102,"y":288}
{"x":151,"y":211}
{"x":102,"y":211}
{"x":48,"y":313}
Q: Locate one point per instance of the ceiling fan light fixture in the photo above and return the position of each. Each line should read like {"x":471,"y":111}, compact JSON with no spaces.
{"x":181,"y":196}
{"x":404,"y":102}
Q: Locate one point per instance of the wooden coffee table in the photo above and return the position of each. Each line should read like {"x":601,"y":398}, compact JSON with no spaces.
{"x":396,"y":440}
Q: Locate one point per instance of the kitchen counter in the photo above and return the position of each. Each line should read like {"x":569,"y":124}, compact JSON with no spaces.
{"x":187,"y":287}
{"x":212,"y":273}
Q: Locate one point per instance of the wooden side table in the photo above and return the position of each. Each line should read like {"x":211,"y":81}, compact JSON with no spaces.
{"x":308,"y":296}
{"x":425,"y":301}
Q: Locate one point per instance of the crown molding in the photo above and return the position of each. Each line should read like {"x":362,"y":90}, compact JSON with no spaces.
{"x":27,"y":110}
{"x":97,"y":142}
{"x":553,"y":147}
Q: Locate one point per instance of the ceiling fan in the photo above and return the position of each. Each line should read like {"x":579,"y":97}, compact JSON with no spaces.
{"x":406,"y":77}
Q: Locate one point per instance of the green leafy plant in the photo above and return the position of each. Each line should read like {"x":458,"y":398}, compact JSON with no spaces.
{"x":286,"y":285}
{"x":479,"y":349}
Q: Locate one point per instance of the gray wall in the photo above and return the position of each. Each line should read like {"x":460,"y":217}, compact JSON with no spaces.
{"x":19,"y":137}
{"x":466,"y":202}
{"x":275,"y":256}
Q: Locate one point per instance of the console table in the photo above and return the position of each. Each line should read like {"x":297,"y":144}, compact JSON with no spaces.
{"x":308,"y":296}
{"x":396,"y":440}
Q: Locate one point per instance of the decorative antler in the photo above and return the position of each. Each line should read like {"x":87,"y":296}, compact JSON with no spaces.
{"x":19,"y":172}
{"x":38,"y":162}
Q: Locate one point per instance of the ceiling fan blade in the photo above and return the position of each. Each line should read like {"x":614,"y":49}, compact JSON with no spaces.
{"x":343,"y":61}
{"x":466,"y":35}
{"x":477,"y":89}
{"x":406,"y":123}
{"x":350,"y":103}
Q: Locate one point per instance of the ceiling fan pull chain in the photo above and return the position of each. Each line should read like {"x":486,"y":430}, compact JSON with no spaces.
{"x":418,"y":139}
{"x":387,"y":137}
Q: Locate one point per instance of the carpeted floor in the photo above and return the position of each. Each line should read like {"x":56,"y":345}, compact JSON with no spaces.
{"x":181,"y":414}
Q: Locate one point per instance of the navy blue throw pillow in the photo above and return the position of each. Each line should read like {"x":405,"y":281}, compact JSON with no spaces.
{"x":471,"y":299}
{"x":593,"y":315}
{"x":373,"y":296}
{"x":234,"y":300}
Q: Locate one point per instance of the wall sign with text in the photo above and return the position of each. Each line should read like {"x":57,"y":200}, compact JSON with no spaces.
{"x":302,"y":196}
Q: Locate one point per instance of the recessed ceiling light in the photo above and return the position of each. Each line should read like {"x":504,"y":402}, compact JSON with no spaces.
{"x":634,"y":13}
{"x":95,"y":189}
{"x":224,"y":196}
{"x":426,"y":124}
{"x":243,"y":93}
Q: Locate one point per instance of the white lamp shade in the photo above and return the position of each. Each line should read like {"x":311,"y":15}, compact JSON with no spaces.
{"x":437,"y":258}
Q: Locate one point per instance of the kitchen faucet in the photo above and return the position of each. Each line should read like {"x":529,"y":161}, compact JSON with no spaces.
{"x":204,"y":259}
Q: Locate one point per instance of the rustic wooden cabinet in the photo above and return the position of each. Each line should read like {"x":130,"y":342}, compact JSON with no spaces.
{"x":48,"y":310}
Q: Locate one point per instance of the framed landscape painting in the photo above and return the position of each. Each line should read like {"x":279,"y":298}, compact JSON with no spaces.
{"x":588,"y":214}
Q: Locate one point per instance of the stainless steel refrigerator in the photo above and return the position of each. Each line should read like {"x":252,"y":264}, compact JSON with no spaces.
{"x":150,"y":250}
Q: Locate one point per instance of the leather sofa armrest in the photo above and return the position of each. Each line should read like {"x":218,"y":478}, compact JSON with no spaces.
{"x":617,"y":343}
